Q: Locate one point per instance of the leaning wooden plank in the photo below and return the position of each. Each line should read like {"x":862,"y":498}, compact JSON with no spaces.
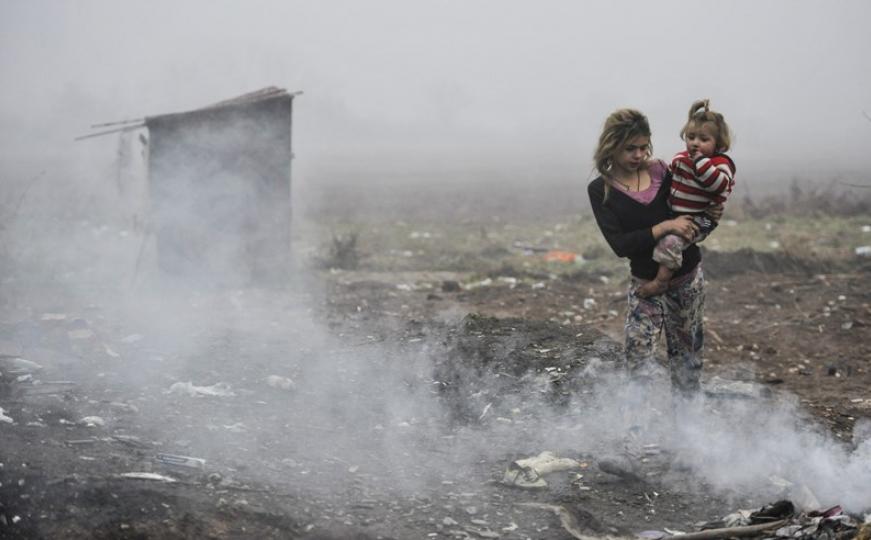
{"x":119,"y":123}
{"x":730,"y":532}
{"x":109,"y":131}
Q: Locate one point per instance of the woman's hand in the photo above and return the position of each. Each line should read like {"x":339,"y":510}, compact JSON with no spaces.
{"x":681,"y":226}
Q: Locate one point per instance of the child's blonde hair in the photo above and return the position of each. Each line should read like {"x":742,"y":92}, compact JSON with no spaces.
{"x":620,"y":126}
{"x":701,"y":113}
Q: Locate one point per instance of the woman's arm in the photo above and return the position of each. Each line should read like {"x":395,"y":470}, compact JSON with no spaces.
{"x":639,"y":242}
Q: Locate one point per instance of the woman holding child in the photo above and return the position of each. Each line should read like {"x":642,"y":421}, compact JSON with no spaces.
{"x":632,"y":202}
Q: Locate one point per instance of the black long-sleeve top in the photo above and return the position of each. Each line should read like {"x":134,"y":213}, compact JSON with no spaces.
{"x":626,"y":225}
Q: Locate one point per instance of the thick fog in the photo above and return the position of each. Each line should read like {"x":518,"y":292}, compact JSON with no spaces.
{"x":422,"y":92}
{"x":505,"y":87}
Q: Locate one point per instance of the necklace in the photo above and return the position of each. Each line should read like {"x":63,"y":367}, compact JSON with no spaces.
{"x":628,"y":185}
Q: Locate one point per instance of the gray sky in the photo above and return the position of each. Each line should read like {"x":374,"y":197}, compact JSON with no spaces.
{"x":504,"y":83}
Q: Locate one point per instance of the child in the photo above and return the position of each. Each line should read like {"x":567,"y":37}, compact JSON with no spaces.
{"x":702,"y":176}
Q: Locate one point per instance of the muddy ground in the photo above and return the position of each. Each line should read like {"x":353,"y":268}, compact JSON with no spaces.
{"x":405,"y":400}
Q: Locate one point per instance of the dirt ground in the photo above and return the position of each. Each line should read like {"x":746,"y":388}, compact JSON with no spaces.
{"x":316,"y":459}
{"x":791,"y":324}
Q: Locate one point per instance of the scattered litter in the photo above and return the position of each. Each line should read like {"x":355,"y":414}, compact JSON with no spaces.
{"x":80,"y":442}
{"x":220,"y":389}
{"x":568,"y":518}
{"x":92,"y":421}
{"x":110,"y":352}
{"x":486,"y":410}
{"x":16,"y":365}
{"x":148,"y":476}
{"x":129,"y":440}
{"x":483,"y":283}
{"x":589,"y":303}
{"x":527,"y":473}
{"x":805,"y":498}
{"x":181,"y":461}
{"x":80,"y":333}
{"x":620,"y":468}
{"x":529,"y":249}
{"x":238,"y":427}
{"x":5,"y":419}
{"x":866,"y":228}
{"x":780,"y":520}
{"x":863,"y":251}
{"x":126,"y":407}
{"x":483,"y":533}
{"x":556,"y":255}
{"x":132,"y":338}
{"x":720,"y":387}
{"x":53,"y":316}
{"x":651,"y":449}
{"x":282,"y":383}
{"x":651,"y":535}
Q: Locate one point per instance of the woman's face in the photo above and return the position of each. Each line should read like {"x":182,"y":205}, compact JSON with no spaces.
{"x":632,"y":155}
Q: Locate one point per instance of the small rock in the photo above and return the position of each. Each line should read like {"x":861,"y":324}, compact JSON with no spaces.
{"x":282,"y":383}
{"x":449,"y":285}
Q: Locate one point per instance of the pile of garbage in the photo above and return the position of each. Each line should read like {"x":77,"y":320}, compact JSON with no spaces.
{"x":778,"y":520}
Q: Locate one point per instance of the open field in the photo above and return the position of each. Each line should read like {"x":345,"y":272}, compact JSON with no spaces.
{"x":421,"y":346}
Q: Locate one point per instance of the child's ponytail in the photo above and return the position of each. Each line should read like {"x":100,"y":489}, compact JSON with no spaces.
{"x":700,"y":113}
{"x":699,"y":107}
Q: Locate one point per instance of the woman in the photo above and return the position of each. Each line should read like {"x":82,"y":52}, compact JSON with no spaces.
{"x":629,"y":201}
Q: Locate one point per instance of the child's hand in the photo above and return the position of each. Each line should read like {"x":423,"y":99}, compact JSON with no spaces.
{"x":715,"y":211}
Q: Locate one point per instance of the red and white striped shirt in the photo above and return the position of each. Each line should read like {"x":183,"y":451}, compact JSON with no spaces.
{"x":698,"y":184}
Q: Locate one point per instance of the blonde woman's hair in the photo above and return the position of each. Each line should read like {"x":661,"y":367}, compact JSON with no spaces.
{"x":701,"y":113}
{"x":620,"y":127}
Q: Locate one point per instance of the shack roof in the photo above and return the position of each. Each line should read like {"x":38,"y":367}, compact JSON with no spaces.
{"x":259,"y":96}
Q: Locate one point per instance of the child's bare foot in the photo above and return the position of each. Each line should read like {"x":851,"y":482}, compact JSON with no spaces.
{"x":652,"y":288}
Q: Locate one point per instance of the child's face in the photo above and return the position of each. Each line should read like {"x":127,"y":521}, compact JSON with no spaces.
{"x":701,"y":140}
{"x":633,"y":154}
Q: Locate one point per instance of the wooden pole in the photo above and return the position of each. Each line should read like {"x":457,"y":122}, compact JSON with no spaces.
{"x":119,"y":123}
{"x":730,"y":532}
{"x":109,"y":131}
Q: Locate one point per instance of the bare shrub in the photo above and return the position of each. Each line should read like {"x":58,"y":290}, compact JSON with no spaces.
{"x":343,"y":252}
{"x":805,"y":200}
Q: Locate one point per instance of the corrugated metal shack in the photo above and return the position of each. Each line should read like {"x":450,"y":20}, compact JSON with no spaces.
{"x":219,"y":182}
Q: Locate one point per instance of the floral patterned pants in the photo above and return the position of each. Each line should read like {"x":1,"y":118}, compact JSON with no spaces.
{"x":679,"y":313}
